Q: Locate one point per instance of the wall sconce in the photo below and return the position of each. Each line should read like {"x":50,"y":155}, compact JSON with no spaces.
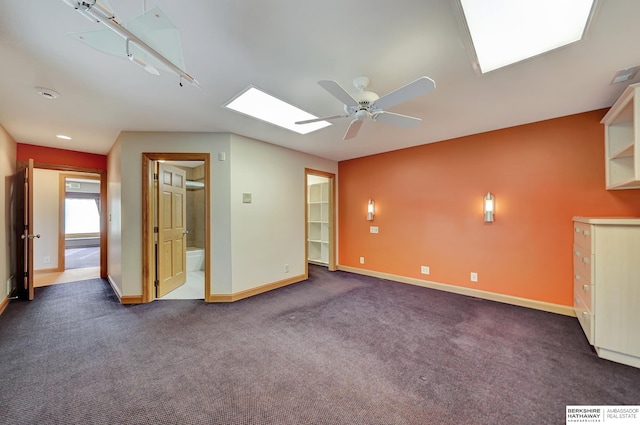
{"x":489,"y":207}
{"x":370,"y":210}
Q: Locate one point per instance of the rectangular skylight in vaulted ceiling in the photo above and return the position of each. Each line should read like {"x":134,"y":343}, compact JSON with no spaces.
{"x":258,"y":104}
{"x":508,"y":31}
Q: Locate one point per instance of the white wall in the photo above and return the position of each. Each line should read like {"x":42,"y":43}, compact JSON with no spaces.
{"x":270,"y":231}
{"x":114,"y":225}
{"x":7,"y":243}
{"x":129,"y":214}
{"x":46,"y":213}
{"x":250,"y":242}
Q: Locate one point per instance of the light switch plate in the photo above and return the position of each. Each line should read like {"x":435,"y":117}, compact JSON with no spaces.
{"x":373,"y":229}
{"x":246,"y":198}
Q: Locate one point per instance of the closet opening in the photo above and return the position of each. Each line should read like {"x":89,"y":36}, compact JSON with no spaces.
{"x":320,"y":218}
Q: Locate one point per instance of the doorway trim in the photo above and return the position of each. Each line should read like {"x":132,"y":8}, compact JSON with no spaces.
{"x":62,"y":191}
{"x":148,"y":242}
{"x":332,"y":218}
{"x":103,"y":202}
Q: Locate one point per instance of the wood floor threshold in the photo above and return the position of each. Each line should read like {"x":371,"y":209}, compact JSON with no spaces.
{"x":477,"y":293}
{"x":46,"y":278}
{"x":228,"y":298}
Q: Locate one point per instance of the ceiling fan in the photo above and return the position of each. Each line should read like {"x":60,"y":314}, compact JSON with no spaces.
{"x":365,"y":104}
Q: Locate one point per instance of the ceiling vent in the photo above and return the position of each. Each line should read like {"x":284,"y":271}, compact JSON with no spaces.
{"x":47,"y":93}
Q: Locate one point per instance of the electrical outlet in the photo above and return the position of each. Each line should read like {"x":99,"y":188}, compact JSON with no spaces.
{"x":8,"y":286}
{"x":286,"y":268}
{"x":361,"y":260}
{"x":46,"y":260}
{"x":424,"y":269}
{"x":474,"y":277}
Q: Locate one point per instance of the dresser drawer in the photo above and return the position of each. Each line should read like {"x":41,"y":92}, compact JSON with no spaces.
{"x":585,"y":317}
{"x":582,"y":264}
{"x":582,"y":235}
{"x":583,"y":291}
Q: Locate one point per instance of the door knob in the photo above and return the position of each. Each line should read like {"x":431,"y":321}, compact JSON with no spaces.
{"x":37,"y":235}
{"x":185,"y":232}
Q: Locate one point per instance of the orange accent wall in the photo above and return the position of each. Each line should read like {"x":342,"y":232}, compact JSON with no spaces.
{"x":428,"y":207}
{"x":56,"y":156}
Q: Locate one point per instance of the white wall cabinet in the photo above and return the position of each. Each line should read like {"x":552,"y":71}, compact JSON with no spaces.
{"x":606,"y":285}
{"x":318,"y":222}
{"x":622,"y":141}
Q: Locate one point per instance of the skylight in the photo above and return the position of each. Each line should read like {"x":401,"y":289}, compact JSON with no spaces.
{"x":504,"y":32}
{"x":258,"y":104}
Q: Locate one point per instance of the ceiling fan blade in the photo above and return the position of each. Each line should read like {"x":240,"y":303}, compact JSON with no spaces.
{"x":396,"y":119}
{"x":422,"y":85}
{"x":321,"y":119}
{"x":338,"y":92}
{"x":353,"y":129}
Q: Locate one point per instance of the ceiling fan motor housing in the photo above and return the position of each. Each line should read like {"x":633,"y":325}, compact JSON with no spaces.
{"x":364,"y":99}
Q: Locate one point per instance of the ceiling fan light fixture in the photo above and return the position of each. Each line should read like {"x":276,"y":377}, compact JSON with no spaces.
{"x":365,"y":104}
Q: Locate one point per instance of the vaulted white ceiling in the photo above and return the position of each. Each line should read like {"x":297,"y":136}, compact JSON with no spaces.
{"x":284,"y":47}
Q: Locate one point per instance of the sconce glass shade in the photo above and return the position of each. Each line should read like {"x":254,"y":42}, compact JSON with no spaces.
{"x":489,"y":207}
{"x":370,"y":210}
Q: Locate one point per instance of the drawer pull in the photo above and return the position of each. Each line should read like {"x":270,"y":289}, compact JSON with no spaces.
{"x":585,"y":232}
{"x":577,"y":230}
{"x":577,"y":253}
{"x":577,"y":300}
{"x":585,"y":314}
{"x":586,"y":288}
{"x":585,"y":260}
{"x":577,"y":277}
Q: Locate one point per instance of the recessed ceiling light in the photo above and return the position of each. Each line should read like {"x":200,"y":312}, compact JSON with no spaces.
{"x":505,"y":32}
{"x":47,"y":93}
{"x":63,"y":137}
{"x":258,"y":104}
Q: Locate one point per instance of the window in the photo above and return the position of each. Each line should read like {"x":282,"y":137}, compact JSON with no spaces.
{"x":82,"y":215}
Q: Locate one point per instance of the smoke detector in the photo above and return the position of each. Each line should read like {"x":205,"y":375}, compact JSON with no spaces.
{"x":47,"y":93}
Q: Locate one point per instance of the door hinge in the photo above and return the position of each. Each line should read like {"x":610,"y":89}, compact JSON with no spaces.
{"x":156,"y":282}
{"x":26,"y":274}
{"x":155,"y":176}
{"x":156,"y":229}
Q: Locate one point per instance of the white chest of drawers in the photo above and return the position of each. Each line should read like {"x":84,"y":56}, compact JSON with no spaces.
{"x":606,"y":285}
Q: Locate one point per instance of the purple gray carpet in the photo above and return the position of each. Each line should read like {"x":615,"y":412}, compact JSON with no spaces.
{"x":336,"y":349}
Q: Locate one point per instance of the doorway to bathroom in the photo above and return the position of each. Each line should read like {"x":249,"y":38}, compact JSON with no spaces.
{"x":176,"y":226}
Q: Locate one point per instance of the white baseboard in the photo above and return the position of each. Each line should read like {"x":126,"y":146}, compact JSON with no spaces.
{"x":492,"y":296}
